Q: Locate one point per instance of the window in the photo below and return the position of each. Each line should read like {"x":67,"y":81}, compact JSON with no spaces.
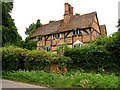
{"x":48,"y":49}
{"x":89,"y":31}
{"x":78,"y":45}
{"x":73,"y":32}
{"x":96,"y":34}
{"x":80,"y":32}
{"x":56,"y":36}
{"x":90,"y":38}
{"x":39,"y":38}
{"x":77,"y":32}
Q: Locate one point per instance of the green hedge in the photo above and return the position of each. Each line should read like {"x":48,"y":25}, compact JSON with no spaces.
{"x":90,"y":57}
{"x":14,"y":58}
{"x":104,"y":53}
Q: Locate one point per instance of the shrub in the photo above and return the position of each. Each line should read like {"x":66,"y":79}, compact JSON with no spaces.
{"x":104,"y":53}
{"x":12,"y":58}
{"x":15,"y":58}
{"x":28,"y":44}
{"x":36,"y":60}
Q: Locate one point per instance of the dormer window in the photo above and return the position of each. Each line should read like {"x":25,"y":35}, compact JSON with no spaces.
{"x":56,"y":36}
{"x":39,"y":38}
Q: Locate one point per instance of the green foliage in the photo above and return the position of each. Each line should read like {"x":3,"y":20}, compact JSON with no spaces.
{"x":77,"y":14}
{"x":61,"y":60}
{"x":32,"y":27}
{"x":61,"y":48}
{"x":28,"y":44}
{"x":104,"y":53}
{"x":14,"y":58}
{"x":52,"y":21}
{"x":113,"y":46}
{"x":72,"y":79}
{"x":9,"y":30}
{"x":118,"y":24}
{"x":29,"y":29}
{"x":101,"y":40}
{"x":37,"y":60}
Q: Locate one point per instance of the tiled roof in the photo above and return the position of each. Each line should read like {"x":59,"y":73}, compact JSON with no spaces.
{"x":83,"y":21}
{"x":103,"y":29}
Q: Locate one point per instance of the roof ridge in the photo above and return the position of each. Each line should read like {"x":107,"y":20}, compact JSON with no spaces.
{"x":87,"y":14}
{"x":52,"y":22}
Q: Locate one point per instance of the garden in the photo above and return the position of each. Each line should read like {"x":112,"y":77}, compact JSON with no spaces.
{"x":96,"y":65}
{"x":93,"y":66}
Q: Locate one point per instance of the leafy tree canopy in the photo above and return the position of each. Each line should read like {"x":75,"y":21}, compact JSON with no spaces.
{"x":32,"y":27}
{"x":28,"y":44}
{"x":77,"y":14}
{"x":52,"y":21}
{"x":9,"y":30}
{"x":118,"y":24}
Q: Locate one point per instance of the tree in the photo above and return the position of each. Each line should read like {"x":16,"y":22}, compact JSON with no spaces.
{"x":32,"y":27}
{"x":29,"y":29}
{"x":9,"y":30}
{"x":118,"y":24}
{"x":77,"y":14}
{"x":28,"y":44}
{"x":52,"y":21}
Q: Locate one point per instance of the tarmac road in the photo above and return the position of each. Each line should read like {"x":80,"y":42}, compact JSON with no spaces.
{"x":14,"y":84}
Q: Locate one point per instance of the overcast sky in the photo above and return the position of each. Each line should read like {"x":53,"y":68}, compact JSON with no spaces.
{"x":26,"y":12}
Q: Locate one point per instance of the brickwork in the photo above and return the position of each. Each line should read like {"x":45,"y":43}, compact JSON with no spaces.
{"x":96,"y":27}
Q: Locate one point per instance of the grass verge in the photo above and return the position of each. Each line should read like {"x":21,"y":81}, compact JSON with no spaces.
{"x":72,"y":79}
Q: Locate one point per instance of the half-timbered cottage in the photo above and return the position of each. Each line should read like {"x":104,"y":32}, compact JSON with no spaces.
{"x":72,"y":30}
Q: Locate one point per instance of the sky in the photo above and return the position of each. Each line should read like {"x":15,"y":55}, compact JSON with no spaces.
{"x":26,"y":12}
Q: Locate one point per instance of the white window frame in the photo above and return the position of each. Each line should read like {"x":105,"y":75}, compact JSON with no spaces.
{"x":37,"y":38}
{"x":40,"y":38}
{"x":72,"y":33}
{"x":96,"y":34}
{"x":78,"y":45}
{"x":77,"y":32}
{"x":55,"y":36}
{"x":80,"y":32}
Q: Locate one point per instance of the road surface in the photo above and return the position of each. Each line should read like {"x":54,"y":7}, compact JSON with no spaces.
{"x":14,"y":84}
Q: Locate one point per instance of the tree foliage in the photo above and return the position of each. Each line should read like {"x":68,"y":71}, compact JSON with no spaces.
{"x":32,"y":27}
{"x":9,"y":30}
{"x":52,"y":21}
{"x":28,"y":44}
{"x":103,"y":53}
{"x":118,"y":24}
{"x":77,"y":14}
{"x":29,"y":29}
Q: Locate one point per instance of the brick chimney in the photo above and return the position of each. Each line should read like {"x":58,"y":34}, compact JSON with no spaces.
{"x":68,"y":12}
